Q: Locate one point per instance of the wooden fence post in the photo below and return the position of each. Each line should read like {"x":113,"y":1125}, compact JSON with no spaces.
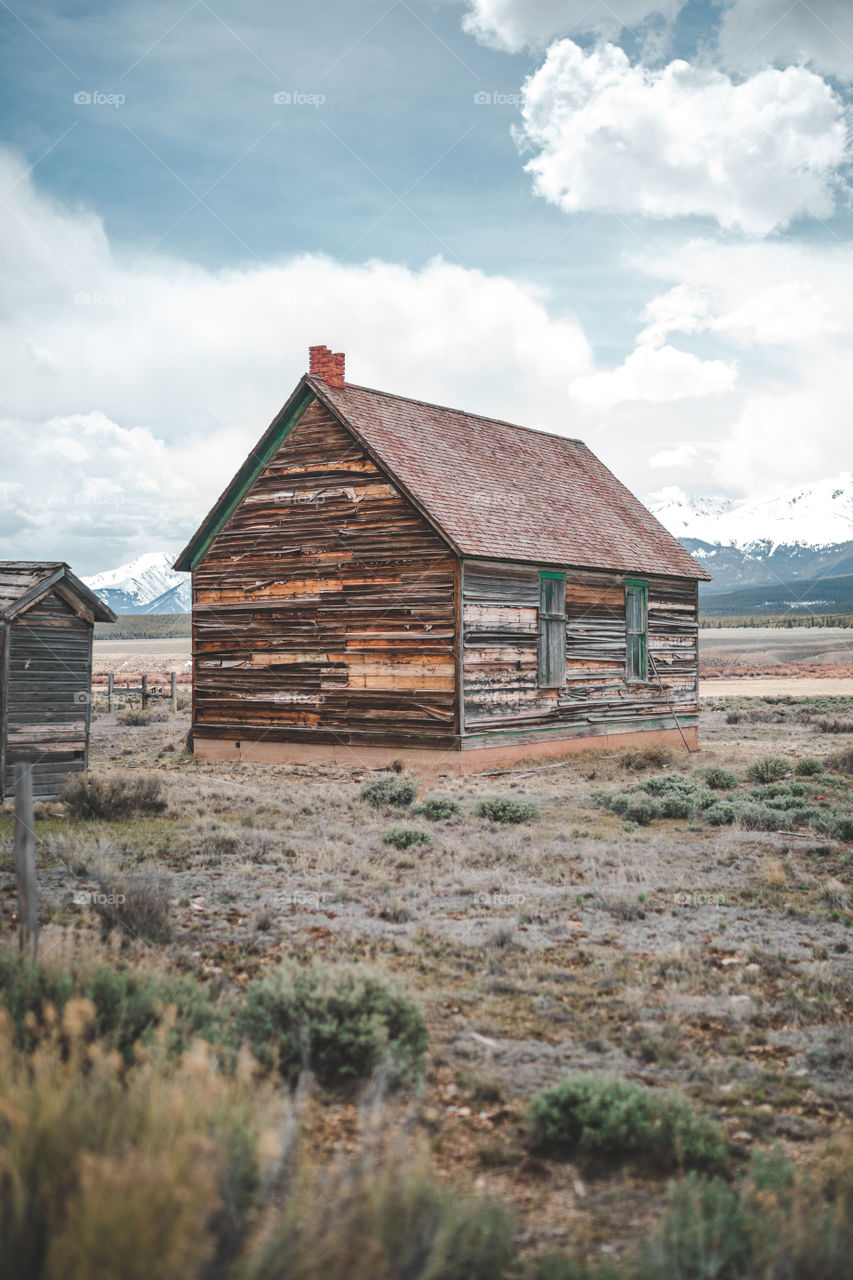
{"x":110,"y":692}
{"x":144,"y":691}
{"x":174,"y":691}
{"x":25,"y":861}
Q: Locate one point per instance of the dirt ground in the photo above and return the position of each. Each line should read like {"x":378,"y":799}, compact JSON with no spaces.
{"x":717,"y":959}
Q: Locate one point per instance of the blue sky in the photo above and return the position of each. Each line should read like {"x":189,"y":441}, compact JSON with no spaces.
{"x":628,"y":223}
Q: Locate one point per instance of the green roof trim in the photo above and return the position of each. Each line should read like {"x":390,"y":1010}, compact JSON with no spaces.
{"x":228,"y":501}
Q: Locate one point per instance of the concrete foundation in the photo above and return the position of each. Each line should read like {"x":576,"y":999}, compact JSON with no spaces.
{"x":430,"y":763}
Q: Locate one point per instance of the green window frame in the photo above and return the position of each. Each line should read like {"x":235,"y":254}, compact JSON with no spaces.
{"x":636,"y":629}
{"x":552,"y":630}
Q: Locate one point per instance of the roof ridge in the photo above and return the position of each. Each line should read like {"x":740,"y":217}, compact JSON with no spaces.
{"x":462,"y":413}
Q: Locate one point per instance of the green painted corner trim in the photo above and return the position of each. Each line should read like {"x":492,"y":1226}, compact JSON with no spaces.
{"x":227,"y":504}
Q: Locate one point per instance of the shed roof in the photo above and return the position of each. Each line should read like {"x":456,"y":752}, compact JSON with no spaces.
{"x":22,"y":582}
{"x":493,"y":489}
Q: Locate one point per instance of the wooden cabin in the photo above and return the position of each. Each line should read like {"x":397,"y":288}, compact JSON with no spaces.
{"x":385,"y":577}
{"x":47,"y":620}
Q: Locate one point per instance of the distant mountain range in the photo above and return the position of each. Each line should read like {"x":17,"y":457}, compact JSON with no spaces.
{"x":148,"y":584}
{"x":788,"y":554}
{"x":792,"y":553}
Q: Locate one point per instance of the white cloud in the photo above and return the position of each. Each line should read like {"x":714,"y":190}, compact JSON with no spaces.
{"x":682,"y":309}
{"x":533,"y":24}
{"x":656,"y":375}
{"x":787,"y":306}
{"x":132,"y":392}
{"x":750,"y":33}
{"x":682,"y":140}
{"x":755,"y":32}
{"x":680,"y":455}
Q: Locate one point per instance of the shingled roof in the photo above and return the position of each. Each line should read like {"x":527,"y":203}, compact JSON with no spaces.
{"x":493,"y":489}
{"x":22,"y":582}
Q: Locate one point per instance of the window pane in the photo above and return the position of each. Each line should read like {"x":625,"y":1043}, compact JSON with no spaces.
{"x":636,"y":629}
{"x":633,"y":656}
{"x":634,"y":609}
{"x":552,"y":632}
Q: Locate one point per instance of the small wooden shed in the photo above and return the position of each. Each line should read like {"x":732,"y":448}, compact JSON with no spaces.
{"x":47,"y":621}
{"x":388,"y":576}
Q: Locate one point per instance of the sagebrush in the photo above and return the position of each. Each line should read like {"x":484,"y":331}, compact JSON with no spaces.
{"x":342,"y":1023}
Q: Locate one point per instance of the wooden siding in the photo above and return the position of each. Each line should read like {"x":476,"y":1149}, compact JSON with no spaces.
{"x":44,"y":699}
{"x":324,"y":609}
{"x":500,"y":648}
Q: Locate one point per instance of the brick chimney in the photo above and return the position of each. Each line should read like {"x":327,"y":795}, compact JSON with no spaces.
{"x":327,"y":365}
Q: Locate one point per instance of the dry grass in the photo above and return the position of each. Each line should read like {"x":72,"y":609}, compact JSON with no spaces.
{"x":708,"y":958}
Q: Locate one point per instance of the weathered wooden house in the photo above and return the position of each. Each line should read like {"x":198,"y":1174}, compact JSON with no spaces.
{"x":47,"y":620}
{"x":384,"y":576}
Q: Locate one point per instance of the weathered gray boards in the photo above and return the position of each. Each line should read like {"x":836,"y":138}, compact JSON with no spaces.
{"x":47,"y":619}
{"x":383,"y":573}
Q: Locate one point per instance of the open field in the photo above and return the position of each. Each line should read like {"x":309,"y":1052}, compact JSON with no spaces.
{"x":670,"y":951}
{"x":819,"y":652}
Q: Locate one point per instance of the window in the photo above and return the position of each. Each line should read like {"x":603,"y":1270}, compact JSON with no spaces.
{"x":636,"y":628}
{"x":552,"y":630}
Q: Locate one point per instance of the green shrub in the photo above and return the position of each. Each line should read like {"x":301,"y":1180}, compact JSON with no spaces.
{"x":641,"y":809}
{"x":137,"y":903}
{"x":506,"y":809}
{"x":612,"y":1118}
{"x":705,"y":1233}
{"x":393,"y":790}
{"x":557,"y":1266}
{"x":721,"y":814}
{"x":113,"y":799}
{"x":436,"y":808}
{"x":342,"y":1023}
{"x":405,"y":837}
{"x":363,"y":1221}
{"x":768,"y":769}
{"x":759,"y":817}
{"x":675,"y":805}
{"x":635,"y":805}
{"x":782,"y":1223}
{"x":841,"y":827}
{"x":782,"y":795}
{"x":842,"y":761}
{"x":114,"y":1170}
{"x":718,"y":779}
{"x":674,"y":795}
{"x":809,"y":767}
{"x":130,"y":1005}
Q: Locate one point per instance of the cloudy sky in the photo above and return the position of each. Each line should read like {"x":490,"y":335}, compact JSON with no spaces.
{"x":626,"y":221}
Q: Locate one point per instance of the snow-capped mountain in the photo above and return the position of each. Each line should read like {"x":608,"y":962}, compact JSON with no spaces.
{"x":815,"y":515}
{"x":799,"y":544}
{"x":148,"y":584}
